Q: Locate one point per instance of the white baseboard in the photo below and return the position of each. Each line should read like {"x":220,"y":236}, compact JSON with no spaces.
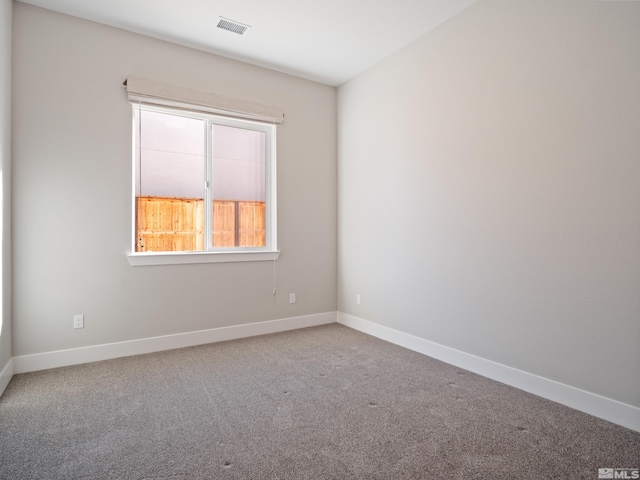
{"x":5,"y":375}
{"x":606,"y":408}
{"x":94,"y":353}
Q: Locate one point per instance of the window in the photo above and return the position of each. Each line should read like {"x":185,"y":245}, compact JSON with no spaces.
{"x":202,"y":183}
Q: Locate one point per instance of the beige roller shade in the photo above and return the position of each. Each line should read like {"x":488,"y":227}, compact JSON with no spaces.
{"x":142,"y":90}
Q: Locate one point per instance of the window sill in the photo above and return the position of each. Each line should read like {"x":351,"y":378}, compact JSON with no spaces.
{"x":183,"y":258}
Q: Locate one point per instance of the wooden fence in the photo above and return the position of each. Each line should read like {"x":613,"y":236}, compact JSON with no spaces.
{"x":177,"y":224}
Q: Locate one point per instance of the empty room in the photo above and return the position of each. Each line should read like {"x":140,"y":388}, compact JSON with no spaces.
{"x":320,"y":240}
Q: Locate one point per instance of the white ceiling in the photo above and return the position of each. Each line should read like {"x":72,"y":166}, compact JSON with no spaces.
{"x":329,"y":41}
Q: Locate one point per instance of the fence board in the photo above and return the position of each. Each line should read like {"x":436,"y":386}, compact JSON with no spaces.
{"x":224,"y":223}
{"x":252,"y":224}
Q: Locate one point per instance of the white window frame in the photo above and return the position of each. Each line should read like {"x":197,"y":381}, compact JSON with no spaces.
{"x":211,"y":254}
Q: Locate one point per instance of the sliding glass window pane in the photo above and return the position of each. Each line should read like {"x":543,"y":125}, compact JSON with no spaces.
{"x":170,"y":178}
{"x":238,"y":187}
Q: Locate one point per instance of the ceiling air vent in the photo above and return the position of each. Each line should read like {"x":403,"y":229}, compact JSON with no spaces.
{"x":232,"y":26}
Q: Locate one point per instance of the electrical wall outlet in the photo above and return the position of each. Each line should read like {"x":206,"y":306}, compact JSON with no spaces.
{"x":78,"y":321}
{"x":292,"y":298}
{"x":358,"y":299}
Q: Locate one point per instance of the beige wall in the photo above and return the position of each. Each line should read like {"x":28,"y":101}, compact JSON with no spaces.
{"x":72,"y":192}
{"x":489,"y":190}
{"x":5,"y":166}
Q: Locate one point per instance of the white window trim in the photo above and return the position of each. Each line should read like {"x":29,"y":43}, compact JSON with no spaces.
{"x":184,"y":258}
{"x":217,"y":255}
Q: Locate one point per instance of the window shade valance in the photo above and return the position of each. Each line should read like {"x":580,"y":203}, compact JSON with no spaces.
{"x":156,"y":93}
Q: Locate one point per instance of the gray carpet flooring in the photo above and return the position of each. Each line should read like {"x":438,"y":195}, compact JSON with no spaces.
{"x":317,"y":403}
